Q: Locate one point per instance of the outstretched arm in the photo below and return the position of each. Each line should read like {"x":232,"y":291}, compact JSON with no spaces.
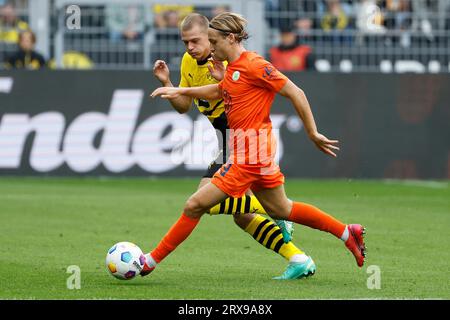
{"x":301,"y":105}
{"x":208,"y":92}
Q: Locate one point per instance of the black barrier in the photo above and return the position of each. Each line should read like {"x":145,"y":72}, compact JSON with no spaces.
{"x":93,"y":123}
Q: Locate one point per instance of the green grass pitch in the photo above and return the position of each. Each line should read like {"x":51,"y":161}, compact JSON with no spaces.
{"x":48,"y":224}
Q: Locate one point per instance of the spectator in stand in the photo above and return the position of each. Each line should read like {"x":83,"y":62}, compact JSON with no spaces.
{"x":10,"y":25}
{"x":26,"y":57}
{"x":335,"y":22}
{"x":427,"y":17}
{"x":290,"y":55}
{"x":167,"y":27}
{"x":397,"y":14}
{"x":125,"y":22}
{"x":218,"y":10}
{"x":397,"y":17}
{"x":167,"y":45}
{"x":298,"y":13}
{"x":170,"y":15}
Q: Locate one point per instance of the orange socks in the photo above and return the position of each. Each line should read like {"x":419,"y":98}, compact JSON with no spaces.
{"x":302,"y":213}
{"x":176,"y":235}
{"x":313,"y":217}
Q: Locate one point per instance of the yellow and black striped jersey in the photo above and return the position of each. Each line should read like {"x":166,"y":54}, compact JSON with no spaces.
{"x":195,"y":74}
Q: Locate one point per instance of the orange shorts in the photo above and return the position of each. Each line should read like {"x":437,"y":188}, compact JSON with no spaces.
{"x":235,"y":179}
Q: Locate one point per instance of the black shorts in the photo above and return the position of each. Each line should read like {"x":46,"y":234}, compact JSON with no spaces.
{"x":221,"y":126}
{"x":213,"y":167}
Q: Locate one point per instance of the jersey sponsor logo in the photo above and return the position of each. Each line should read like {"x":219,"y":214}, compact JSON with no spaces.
{"x":236,"y":75}
{"x":268,"y":72}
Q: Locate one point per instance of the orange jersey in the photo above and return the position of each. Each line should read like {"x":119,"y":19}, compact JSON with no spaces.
{"x":248,"y":89}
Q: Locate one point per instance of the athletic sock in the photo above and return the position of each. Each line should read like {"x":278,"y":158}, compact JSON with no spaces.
{"x":268,"y":234}
{"x":179,"y":231}
{"x":149,"y":260}
{"x":313,"y":217}
{"x":345,"y":234}
{"x":245,"y":204}
{"x":299,"y":258}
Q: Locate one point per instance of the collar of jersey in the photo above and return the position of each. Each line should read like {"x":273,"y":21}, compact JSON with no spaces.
{"x":202,"y":62}
{"x":243,"y":54}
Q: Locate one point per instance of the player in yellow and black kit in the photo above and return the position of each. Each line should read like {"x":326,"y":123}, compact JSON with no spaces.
{"x":198,"y":69}
{"x":195,"y":73}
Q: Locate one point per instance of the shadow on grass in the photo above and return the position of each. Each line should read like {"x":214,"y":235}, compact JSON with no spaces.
{"x":131,"y":283}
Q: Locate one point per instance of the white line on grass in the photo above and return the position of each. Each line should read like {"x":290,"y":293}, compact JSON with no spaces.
{"x":418,"y":183}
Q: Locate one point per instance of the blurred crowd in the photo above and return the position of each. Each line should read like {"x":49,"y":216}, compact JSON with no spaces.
{"x":344,"y":23}
{"x":15,"y":31}
{"x":370,"y":16}
{"x":299,"y":25}
{"x":119,"y":24}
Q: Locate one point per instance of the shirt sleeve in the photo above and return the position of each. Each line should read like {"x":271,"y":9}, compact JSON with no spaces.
{"x":184,"y":82}
{"x":264,"y":74}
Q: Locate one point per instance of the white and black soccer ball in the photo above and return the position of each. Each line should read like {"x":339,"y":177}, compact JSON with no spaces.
{"x":125,"y":260}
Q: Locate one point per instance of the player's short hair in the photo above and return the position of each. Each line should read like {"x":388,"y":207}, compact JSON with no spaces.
{"x":193,"y":19}
{"x":229,"y":22}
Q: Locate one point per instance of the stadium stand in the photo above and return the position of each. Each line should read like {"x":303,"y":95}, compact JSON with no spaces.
{"x":344,"y":35}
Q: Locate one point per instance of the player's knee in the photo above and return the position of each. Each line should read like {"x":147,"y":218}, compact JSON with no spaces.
{"x":193,"y":208}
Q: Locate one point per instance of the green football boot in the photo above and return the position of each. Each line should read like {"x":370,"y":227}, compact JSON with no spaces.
{"x":297,"y":270}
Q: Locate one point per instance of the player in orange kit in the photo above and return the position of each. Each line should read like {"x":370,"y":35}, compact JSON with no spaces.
{"x":248,"y":90}
{"x":197,"y":70}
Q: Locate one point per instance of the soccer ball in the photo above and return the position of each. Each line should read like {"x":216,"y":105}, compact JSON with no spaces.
{"x":125,"y":260}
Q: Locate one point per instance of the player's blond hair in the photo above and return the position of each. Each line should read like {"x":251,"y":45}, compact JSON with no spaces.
{"x":194,"y":19}
{"x":229,"y":22}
